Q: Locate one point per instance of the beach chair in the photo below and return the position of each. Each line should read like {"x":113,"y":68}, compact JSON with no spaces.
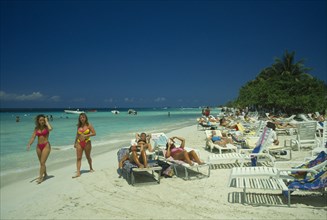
{"x":211,"y":145}
{"x":302,"y":171}
{"x":129,"y":169}
{"x":317,"y":183}
{"x":271,"y":178}
{"x":197,"y":170}
{"x":207,"y":125}
{"x":323,"y":142}
{"x":263,"y":152}
{"x":160,"y":140}
{"x":305,"y":137}
{"x":289,"y":119}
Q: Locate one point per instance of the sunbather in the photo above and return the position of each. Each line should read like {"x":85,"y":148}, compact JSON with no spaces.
{"x":227,"y":124}
{"x":138,"y":151}
{"x":179,"y":153}
{"x":220,"y":140}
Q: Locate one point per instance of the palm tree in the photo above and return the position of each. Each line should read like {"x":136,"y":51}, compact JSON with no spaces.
{"x":287,"y":66}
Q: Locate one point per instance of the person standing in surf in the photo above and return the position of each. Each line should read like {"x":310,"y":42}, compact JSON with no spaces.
{"x":83,"y":143}
{"x":42,"y":130}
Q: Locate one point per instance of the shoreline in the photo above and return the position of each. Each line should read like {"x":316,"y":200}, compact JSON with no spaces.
{"x":11,"y":176}
{"x":102,"y":195}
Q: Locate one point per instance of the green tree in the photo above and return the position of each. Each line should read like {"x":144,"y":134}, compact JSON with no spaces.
{"x":287,"y":86}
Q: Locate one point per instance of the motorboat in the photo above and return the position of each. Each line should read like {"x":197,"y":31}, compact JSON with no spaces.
{"x":132,"y":112}
{"x":77,"y":111}
{"x":116,"y":112}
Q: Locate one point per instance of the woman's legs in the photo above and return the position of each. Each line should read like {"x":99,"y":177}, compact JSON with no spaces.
{"x":79,"y":153}
{"x":221,"y":142}
{"x":43,"y":156}
{"x":188,"y":157}
{"x":88,"y":148}
{"x":135,"y":159}
{"x":184,"y":156}
{"x":143,"y":158}
{"x":194,"y":157}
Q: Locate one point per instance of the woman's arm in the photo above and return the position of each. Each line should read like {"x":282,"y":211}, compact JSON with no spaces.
{"x":182,"y":140}
{"x":31,"y":140}
{"x":48,"y":124}
{"x":168,"y":149}
{"x":76,"y":138}
{"x":149,"y":146}
{"x":92,"y":133}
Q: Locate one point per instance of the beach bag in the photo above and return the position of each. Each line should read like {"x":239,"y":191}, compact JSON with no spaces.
{"x":167,"y":169}
{"x":169,"y":172}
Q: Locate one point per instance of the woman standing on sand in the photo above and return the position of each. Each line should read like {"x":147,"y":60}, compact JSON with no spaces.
{"x":42,"y":130}
{"x":83,"y":143}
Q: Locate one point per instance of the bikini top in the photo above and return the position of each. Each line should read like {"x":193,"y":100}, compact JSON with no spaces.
{"x":44,"y":132}
{"x":81,"y":131}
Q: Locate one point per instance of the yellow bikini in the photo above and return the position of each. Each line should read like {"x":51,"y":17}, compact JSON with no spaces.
{"x":87,"y":139}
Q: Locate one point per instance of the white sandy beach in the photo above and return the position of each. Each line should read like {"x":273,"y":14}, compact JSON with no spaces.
{"x":102,"y":195}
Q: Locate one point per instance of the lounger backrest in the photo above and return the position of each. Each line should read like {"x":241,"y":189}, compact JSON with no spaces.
{"x":159,"y":139}
{"x":265,"y":139}
{"x":261,"y":126}
{"x":324,"y":135}
{"x":306,"y":130}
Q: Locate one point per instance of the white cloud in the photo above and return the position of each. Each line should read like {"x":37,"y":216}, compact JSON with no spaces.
{"x":23,"y":97}
{"x":160,"y":99}
{"x":34,"y":96}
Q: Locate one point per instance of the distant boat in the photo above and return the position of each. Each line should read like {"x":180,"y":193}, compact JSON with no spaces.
{"x":132,"y":112}
{"x":77,"y":111}
{"x":116,"y":112}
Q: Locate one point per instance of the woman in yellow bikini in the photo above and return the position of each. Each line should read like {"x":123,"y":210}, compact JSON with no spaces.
{"x":83,"y":143}
{"x":42,"y":130}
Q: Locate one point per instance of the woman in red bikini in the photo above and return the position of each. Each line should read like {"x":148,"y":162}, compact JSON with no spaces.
{"x":83,"y":143}
{"x":42,"y":131}
{"x":179,"y":153}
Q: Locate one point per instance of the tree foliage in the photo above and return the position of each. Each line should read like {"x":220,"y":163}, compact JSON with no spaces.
{"x":286,"y":86}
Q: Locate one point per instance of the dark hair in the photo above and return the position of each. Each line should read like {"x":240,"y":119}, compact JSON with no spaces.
{"x":271,"y":125}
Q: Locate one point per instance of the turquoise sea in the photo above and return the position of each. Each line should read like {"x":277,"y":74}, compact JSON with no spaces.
{"x":113,"y":131}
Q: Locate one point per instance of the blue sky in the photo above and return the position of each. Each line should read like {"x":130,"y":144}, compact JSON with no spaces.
{"x":84,"y":54}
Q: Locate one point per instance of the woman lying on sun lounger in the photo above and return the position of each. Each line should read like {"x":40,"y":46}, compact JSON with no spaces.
{"x":138,"y":150}
{"x":220,"y":140}
{"x":179,"y":153}
{"x":227,"y":123}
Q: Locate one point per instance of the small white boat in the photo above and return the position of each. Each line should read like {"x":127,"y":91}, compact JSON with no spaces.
{"x":77,"y":111}
{"x":115,"y":112}
{"x":132,"y":112}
